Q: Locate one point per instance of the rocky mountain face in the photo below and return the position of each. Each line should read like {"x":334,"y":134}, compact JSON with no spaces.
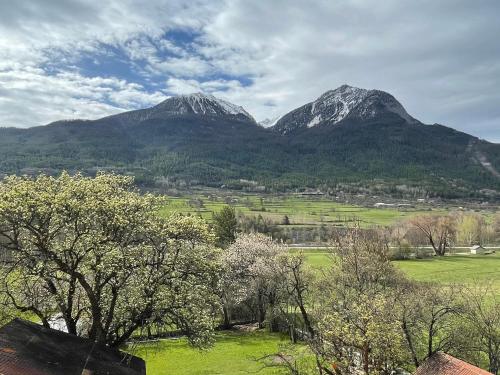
{"x":347,"y":137}
{"x":200,"y":104}
{"x":197,"y":104}
{"x":335,"y":106}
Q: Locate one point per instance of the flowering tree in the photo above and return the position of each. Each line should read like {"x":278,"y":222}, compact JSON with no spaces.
{"x":93,"y":251}
{"x":252,"y":271}
{"x":356,"y":324}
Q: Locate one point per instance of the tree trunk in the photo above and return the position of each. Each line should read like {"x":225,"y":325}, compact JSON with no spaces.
{"x":410,"y":343}
{"x":262,"y":310}
{"x":307,"y":321}
{"x":366,"y":359}
{"x":227,"y":317}
{"x":71,"y":325}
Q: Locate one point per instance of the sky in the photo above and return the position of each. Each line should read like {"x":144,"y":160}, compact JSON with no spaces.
{"x":66,"y":59}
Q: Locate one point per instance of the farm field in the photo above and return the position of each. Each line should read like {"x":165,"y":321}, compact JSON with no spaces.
{"x":233,"y":353}
{"x":301,"y":210}
{"x":447,"y":269}
{"x":482,"y":269}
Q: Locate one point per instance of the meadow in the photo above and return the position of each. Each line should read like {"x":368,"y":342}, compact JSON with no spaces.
{"x":469,"y":269}
{"x":301,"y":210}
{"x":473,"y":269}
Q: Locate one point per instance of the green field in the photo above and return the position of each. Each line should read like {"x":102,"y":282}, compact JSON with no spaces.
{"x":301,"y":210}
{"x":483,"y":269}
{"x":477,"y":269}
{"x":233,"y":353}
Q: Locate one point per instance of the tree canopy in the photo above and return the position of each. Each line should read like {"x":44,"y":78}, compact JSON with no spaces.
{"x":93,"y":252}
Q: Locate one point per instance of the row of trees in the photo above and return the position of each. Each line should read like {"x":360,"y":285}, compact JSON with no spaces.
{"x":440,"y":232}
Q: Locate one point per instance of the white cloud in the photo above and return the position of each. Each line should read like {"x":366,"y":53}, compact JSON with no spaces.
{"x":30,"y":97}
{"x":441,"y":59}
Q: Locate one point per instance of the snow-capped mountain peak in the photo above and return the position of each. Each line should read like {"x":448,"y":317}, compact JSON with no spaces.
{"x":337,"y":105}
{"x":268,"y":122}
{"x":341,"y":100}
{"x":202,"y":104}
{"x":193,"y":104}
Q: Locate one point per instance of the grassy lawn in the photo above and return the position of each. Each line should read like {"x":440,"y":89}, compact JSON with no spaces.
{"x":232,"y":353}
{"x":317,"y":258}
{"x":456,"y":268}
{"x":448,"y":269}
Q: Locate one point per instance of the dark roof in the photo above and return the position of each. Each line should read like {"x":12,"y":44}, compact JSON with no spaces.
{"x":444,"y":364}
{"x":30,"y":349}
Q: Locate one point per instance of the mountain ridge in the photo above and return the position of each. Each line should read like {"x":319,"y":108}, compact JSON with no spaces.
{"x":365,"y":141}
{"x":334,"y":106}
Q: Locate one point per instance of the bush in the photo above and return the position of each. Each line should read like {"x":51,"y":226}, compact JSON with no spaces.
{"x":402,"y":252}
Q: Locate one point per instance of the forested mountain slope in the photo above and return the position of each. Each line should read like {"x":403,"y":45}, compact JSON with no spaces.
{"x":347,"y":138}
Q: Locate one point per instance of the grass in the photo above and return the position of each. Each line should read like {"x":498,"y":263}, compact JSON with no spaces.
{"x":233,"y":353}
{"x":301,"y":210}
{"x":448,"y":269}
{"x":455,"y":269}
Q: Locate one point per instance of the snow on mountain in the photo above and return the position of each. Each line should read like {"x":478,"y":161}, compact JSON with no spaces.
{"x":339,"y":103}
{"x":202,"y":104}
{"x":197,"y":104}
{"x":268,"y":122}
{"x":336,"y":105}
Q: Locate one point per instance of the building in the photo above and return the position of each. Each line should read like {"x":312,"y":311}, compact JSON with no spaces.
{"x":477,"y":249}
{"x":30,"y":349}
{"x":444,"y":364}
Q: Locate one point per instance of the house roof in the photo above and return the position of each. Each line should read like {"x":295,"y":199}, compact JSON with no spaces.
{"x":31,"y":349}
{"x":444,"y":364}
{"x":475,"y":247}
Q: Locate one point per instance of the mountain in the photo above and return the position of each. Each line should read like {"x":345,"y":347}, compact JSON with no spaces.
{"x":268,"y":122}
{"x":194,"y":104}
{"x":343,"y":103}
{"x":349,"y":139}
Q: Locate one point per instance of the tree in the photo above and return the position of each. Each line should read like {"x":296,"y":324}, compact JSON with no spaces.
{"x":252,"y":265}
{"x":93,"y":251}
{"x":470,"y":229}
{"x":355,"y":318}
{"x":481,"y":326}
{"x":429,"y":316}
{"x":439,"y":231}
{"x":297,"y":280}
{"x":225,"y":226}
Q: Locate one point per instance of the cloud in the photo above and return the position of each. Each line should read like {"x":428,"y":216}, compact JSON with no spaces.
{"x":441,"y":59}
{"x":30,"y":97}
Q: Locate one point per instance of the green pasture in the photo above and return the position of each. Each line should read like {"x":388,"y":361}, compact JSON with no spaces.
{"x":233,"y":353}
{"x":473,"y":269}
{"x":476,"y":269}
{"x":301,"y":210}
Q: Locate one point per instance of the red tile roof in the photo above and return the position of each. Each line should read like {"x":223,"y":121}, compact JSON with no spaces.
{"x":444,"y":364}
{"x":27,"y":348}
